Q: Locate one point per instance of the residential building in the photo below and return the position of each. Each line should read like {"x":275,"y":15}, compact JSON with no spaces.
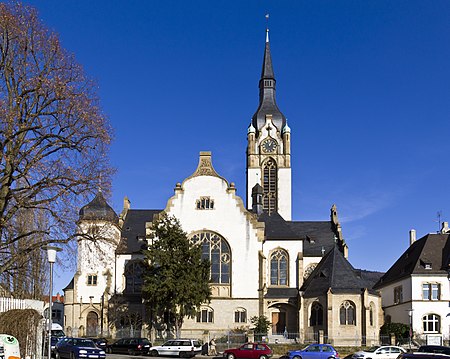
{"x":415,"y":290}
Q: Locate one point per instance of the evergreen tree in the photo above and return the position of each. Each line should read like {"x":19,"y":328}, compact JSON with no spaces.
{"x":176,"y":280}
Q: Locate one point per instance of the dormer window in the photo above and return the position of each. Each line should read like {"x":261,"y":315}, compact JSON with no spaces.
{"x":205,"y":203}
{"x":426,"y":264}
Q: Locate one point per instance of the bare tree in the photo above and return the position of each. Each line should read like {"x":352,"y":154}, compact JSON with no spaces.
{"x":54,"y":138}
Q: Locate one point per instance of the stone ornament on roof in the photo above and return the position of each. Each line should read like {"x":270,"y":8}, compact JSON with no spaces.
{"x":205,"y":167}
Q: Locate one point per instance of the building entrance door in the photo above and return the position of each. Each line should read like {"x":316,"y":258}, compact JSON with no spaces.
{"x":278,"y":322}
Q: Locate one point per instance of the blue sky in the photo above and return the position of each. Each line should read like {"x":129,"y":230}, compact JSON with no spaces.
{"x":364,"y":85}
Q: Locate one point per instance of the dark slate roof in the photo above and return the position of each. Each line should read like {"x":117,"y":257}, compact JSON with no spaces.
{"x":134,"y":227}
{"x":317,"y":235}
{"x":336,"y":273}
{"x":432,"y":249}
{"x":281,"y":293}
{"x":276,"y":227}
{"x":70,"y":285}
{"x":267,"y":102}
{"x":98,"y":209}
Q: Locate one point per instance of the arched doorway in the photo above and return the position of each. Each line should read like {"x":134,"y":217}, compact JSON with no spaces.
{"x":92,"y":324}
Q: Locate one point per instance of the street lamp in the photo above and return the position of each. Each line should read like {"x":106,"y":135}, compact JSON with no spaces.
{"x":410,"y":313}
{"x":51,"y":257}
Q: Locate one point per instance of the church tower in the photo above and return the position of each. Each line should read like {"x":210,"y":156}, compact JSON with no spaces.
{"x":269,"y":147}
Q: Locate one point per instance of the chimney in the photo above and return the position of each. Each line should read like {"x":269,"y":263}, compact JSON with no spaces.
{"x":412,"y":236}
{"x":445,"y":228}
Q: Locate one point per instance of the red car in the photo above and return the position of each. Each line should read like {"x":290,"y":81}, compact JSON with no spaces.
{"x":249,"y":351}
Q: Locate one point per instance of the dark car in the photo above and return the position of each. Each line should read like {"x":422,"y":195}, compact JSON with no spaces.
{"x":439,"y":349}
{"x":423,"y":355}
{"x":78,"y":348}
{"x":249,"y":351}
{"x":102,"y":343}
{"x":314,"y":351}
{"x":131,"y":346}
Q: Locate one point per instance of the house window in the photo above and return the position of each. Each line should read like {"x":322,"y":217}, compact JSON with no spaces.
{"x":279,"y":268}
{"x":316,"y":314}
{"x":133,"y":277}
{"x":398,"y":295}
{"x":431,"y":291}
{"x":217,"y":251}
{"x":270,"y":186}
{"x":431,"y":323}
{"x":240,"y":315}
{"x":205,"y":315}
{"x":205,"y":203}
{"x":347,"y":313}
{"x":92,"y":279}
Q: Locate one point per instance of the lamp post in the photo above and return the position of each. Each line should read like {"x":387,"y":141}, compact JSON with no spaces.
{"x":51,"y":257}
{"x":410,"y":313}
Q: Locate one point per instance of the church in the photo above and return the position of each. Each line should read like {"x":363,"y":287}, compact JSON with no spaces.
{"x":296,"y":273}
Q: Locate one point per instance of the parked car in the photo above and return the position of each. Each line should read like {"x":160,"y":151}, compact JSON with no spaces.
{"x":102,"y":343}
{"x":131,"y":346}
{"x":184,"y":348}
{"x":314,"y":351}
{"x":78,"y":348}
{"x":249,"y":351}
{"x":423,"y":355}
{"x":380,"y":352}
{"x":439,"y":349}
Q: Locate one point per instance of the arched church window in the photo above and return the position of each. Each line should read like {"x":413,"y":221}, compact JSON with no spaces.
{"x":240,"y":315}
{"x":270,"y":186}
{"x":347,"y":313}
{"x":279,"y":268}
{"x":205,"y":315}
{"x":371,"y":314}
{"x":309,"y":269}
{"x":133,"y":277}
{"x":216,"y":249}
{"x":316,"y":314}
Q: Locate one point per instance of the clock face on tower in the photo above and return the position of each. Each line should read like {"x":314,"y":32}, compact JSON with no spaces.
{"x":269,"y":145}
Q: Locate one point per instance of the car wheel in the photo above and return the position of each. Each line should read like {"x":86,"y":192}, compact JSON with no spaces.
{"x":154,"y":353}
{"x":109,"y":350}
{"x":72,"y":356}
{"x":263,"y":357}
{"x":230,"y":356}
{"x":131,"y":352}
{"x":297,"y":357}
{"x":57,"y":356}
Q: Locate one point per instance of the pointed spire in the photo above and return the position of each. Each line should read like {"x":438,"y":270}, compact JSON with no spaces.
{"x":267,"y":102}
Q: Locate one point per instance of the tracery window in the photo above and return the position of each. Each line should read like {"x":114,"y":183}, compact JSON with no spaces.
{"x":270,"y":186}
{"x":205,"y":315}
{"x":431,"y":323}
{"x":279,"y":268}
{"x":217,"y":251}
{"x":240,"y":315}
{"x":316,"y":314}
{"x":133,"y":277}
{"x":205,"y":203}
{"x":347,"y":313}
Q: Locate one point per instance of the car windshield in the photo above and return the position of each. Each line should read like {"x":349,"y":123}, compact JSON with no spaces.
{"x":372,"y":349}
{"x":84,"y":343}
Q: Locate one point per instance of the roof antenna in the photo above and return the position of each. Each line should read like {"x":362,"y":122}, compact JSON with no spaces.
{"x":439,"y":215}
{"x":267,"y":27}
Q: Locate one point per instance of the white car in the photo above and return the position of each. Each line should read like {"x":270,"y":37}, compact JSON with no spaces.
{"x":377,"y":352}
{"x":183,"y":348}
